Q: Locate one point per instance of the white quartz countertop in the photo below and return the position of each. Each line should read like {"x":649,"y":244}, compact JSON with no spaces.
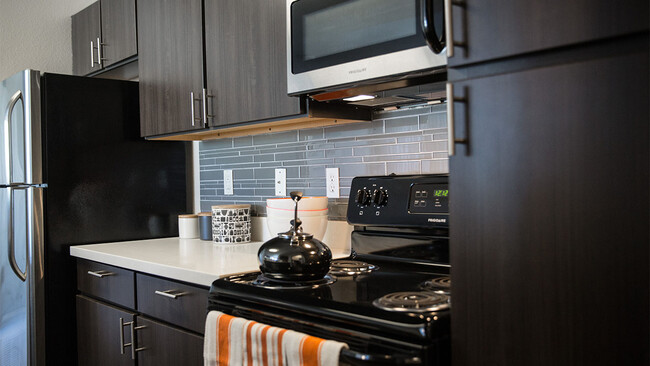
{"x":190,"y":260}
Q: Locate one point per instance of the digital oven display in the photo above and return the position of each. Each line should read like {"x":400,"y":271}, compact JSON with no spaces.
{"x":429,"y":199}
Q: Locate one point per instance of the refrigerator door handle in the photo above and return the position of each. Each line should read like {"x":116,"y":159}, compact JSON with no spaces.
{"x":12,"y":245}
{"x":10,"y":111}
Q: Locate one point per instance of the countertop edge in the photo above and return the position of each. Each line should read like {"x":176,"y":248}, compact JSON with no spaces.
{"x":156,"y":269}
{"x":93,"y":252}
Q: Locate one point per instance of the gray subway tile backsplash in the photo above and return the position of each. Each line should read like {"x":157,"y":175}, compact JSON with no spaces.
{"x":403,"y":124}
{"x":409,"y":141}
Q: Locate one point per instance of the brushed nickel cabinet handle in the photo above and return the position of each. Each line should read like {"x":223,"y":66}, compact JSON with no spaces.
{"x":99,"y":52}
{"x":133,"y":343}
{"x":451,"y":118}
{"x":206,"y":115}
{"x":192,"y":101}
{"x":101,"y":273}
{"x":122,"y":344}
{"x":449,"y":28}
{"x":170,"y":294}
{"x":92,"y":55}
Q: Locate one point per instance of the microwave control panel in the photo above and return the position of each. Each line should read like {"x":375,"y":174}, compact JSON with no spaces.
{"x":402,"y":201}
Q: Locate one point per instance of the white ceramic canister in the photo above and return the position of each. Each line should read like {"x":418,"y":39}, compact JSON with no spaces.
{"x":188,"y":226}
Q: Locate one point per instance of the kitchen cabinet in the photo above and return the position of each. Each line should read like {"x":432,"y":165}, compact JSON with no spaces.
{"x":550,"y":234}
{"x":103,"y":35}
{"x":120,"y":317}
{"x":165,"y":345}
{"x":246,"y":56}
{"x":245,"y":64}
{"x":98,"y":333}
{"x":86,"y":30}
{"x":495,"y":29}
{"x":189,"y":92}
{"x":170,"y":60}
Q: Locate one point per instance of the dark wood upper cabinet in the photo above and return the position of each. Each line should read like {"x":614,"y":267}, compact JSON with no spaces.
{"x":170,"y":57}
{"x":103,"y":34}
{"x":246,"y":60}
{"x":502,"y":28}
{"x":119,"y":39}
{"x":86,"y":29}
{"x":549,"y":242}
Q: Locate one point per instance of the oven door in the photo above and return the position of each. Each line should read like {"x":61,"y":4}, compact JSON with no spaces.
{"x":339,"y":42}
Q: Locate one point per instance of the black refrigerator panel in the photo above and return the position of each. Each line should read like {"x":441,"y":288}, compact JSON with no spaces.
{"x":104,"y":184}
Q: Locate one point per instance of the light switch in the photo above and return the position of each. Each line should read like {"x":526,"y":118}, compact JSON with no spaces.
{"x":227,"y":183}
{"x":280,"y":182}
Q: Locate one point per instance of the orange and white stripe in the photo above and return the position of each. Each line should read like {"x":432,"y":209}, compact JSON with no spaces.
{"x":233,"y":341}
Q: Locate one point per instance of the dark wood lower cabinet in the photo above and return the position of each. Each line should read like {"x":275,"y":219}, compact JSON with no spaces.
{"x":98,"y":333}
{"x":99,"y":341}
{"x":550,"y":253}
{"x":165,"y":345}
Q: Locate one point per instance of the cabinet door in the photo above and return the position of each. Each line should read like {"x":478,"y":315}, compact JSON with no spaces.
{"x":165,"y":345}
{"x":98,"y":333}
{"x":86,"y":29}
{"x":246,"y":60}
{"x":170,"y":57}
{"x":119,"y":40}
{"x":550,"y":236}
{"x":501,"y":28}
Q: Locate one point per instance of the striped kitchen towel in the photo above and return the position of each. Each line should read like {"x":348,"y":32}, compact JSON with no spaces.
{"x":234,"y":341}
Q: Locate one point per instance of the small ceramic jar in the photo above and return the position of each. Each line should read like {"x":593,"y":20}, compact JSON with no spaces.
{"x":205,"y":226}
{"x":188,"y":226}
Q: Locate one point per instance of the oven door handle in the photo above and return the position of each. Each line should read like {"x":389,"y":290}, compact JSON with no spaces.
{"x":358,"y":358}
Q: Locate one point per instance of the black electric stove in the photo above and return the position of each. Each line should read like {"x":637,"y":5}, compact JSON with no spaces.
{"x":390,"y":300}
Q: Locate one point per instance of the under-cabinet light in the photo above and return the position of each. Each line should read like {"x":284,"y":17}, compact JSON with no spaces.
{"x":359,"y":98}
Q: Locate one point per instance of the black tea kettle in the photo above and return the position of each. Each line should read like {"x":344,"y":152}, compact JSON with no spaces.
{"x":294,"y":255}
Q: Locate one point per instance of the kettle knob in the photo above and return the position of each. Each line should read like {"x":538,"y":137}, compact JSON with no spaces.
{"x":296,"y":223}
{"x":296,"y":195}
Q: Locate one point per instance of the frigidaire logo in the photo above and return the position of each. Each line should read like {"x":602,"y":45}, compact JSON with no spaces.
{"x":356,"y":71}
{"x":437,"y":220}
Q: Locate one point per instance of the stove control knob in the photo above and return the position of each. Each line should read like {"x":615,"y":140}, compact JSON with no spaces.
{"x":380,"y":197}
{"x":363,"y":197}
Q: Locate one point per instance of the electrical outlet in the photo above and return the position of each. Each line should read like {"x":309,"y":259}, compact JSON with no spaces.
{"x":227,"y":183}
{"x":332,"y":183}
{"x":280,"y":182}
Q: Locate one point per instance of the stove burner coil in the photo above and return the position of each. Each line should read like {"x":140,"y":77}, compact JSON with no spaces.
{"x":413,"y":301}
{"x":350,"y":267}
{"x":440,"y":285}
{"x":265,"y":282}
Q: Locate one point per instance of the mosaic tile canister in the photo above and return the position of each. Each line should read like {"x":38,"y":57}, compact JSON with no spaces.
{"x":231,"y":224}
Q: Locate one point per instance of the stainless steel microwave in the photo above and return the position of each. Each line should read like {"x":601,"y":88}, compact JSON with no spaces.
{"x":334,"y":44}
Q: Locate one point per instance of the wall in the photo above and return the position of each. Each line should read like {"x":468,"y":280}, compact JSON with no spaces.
{"x":401,"y":142}
{"x":36,"y":34}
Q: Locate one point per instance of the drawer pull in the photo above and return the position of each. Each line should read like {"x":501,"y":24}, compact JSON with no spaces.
{"x":170,"y":294}
{"x":101,"y":273}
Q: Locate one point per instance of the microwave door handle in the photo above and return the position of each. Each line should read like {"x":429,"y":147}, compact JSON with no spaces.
{"x":358,"y":358}
{"x":428,"y":27}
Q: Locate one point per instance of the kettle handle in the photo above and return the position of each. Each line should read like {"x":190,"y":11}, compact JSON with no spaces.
{"x":296,"y":195}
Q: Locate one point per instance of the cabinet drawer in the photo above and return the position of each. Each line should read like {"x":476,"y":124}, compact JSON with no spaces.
{"x":110,"y":283}
{"x":173,"y":302}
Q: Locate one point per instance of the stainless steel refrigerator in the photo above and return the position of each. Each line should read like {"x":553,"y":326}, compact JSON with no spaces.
{"x":73,"y":170}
